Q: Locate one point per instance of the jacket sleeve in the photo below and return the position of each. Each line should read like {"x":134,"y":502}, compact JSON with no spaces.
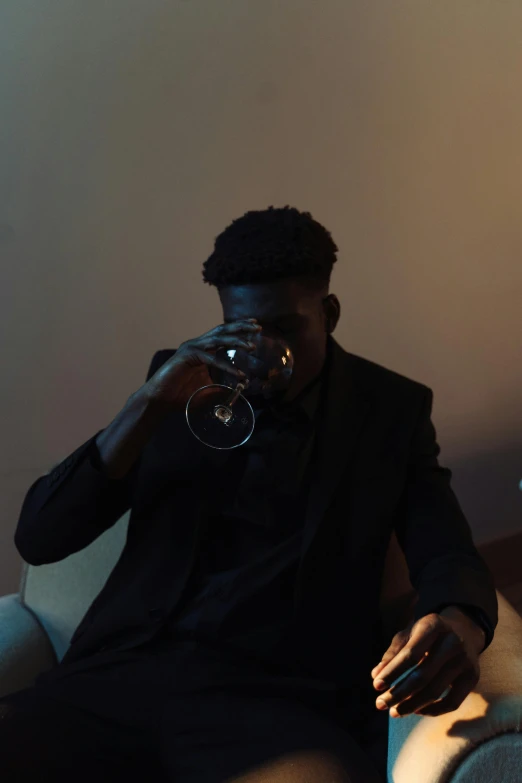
{"x":69,"y":507}
{"x":444,"y":564}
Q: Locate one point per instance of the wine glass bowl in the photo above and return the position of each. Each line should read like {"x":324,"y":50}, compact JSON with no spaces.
{"x":268,"y":368}
{"x":220,"y":414}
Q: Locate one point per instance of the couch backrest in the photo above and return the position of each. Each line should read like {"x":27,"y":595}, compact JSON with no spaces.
{"x":60,"y":593}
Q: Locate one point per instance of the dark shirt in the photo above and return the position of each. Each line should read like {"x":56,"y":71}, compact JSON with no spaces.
{"x":240,"y":593}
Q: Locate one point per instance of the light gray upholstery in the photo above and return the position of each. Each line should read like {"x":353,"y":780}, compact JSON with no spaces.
{"x":481,"y":742}
{"x":25,"y":648}
{"x":60,"y":593}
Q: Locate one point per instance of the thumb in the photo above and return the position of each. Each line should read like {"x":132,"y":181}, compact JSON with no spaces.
{"x":399,"y":640}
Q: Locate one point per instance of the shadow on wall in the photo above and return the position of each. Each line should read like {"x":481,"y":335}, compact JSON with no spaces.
{"x":488,"y":487}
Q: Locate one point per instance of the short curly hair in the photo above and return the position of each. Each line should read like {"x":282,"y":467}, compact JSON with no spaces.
{"x":264,"y":246}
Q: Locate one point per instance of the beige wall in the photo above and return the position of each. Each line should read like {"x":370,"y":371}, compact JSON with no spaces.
{"x":132,"y":132}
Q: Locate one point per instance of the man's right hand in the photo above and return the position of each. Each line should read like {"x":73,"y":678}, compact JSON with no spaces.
{"x":185,"y":372}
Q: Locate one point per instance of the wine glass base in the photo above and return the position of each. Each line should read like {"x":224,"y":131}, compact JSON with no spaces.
{"x":217,"y":423}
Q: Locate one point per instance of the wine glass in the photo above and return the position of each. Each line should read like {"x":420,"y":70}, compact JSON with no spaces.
{"x":220,"y":415}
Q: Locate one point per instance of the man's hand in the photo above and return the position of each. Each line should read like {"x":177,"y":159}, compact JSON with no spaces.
{"x":444,"y":649}
{"x":188,"y":369}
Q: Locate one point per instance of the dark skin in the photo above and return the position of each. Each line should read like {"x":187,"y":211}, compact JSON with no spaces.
{"x":301,"y":315}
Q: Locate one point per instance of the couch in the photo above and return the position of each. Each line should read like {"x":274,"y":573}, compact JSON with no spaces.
{"x":481,"y":742}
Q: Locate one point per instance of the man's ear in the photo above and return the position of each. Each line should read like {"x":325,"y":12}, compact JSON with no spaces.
{"x":332,"y":312}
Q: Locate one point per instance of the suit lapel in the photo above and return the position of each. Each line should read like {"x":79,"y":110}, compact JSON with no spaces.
{"x":343,"y":411}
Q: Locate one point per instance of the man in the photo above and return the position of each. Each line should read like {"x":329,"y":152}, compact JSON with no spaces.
{"x":235,"y":637}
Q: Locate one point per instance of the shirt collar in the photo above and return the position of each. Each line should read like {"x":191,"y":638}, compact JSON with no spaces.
{"x":306,"y":402}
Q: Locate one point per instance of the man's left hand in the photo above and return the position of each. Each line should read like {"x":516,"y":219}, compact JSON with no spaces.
{"x":446,"y":649}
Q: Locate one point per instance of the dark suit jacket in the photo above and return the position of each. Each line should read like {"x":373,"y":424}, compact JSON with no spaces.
{"x":376,"y":471}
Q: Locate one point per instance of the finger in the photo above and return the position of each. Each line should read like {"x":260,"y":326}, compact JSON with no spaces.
{"x":380,"y":666}
{"x":249,"y":325}
{"x":432,"y":689}
{"x":234,"y":340}
{"x":208,"y":343}
{"x":460,"y":689}
{"x":423,"y":635}
{"x":399,"y":640}
{"x":212,"y":342}
{"x":448,"y":650}
{"x":210,"y":360}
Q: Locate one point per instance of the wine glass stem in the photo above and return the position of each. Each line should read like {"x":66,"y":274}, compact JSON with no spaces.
{"x":237,"y":391}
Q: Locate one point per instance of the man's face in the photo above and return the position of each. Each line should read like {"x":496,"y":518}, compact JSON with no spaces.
{"x":288,"y":310}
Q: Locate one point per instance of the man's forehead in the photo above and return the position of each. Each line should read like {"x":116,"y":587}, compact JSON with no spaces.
{"x":273,"y":301}
{"x":233,"y":314}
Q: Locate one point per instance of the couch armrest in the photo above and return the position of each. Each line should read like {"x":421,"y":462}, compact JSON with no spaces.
{"x":25,"y":649}
{"x":450,"y":747}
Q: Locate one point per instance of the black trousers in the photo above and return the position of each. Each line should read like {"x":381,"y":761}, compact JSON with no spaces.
{"x":168,"y":713}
